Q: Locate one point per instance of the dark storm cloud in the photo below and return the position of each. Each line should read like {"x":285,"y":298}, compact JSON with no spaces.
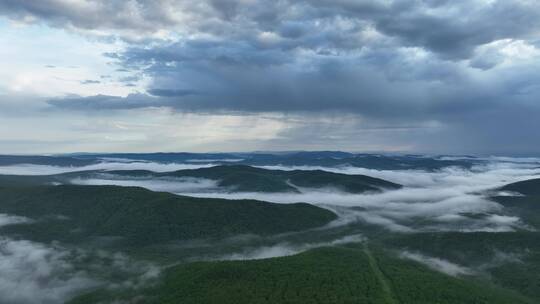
{"x":142,"y":16}
{"x":464,"y":66}
{"x":455,"y":28}
{"x":449,"y":28}
{"x":379,"y":84}
{"x":337,"y":53}
{"x":247,"y":86}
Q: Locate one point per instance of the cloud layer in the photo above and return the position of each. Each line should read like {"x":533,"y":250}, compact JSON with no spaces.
{"x":426,"y":75}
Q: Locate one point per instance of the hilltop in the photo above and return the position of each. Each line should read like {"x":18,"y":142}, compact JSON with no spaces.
{"x":140,"y":217}
{"x":246,"y":178}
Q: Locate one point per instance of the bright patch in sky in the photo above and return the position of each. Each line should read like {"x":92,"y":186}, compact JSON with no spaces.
{"x":50,"y":62}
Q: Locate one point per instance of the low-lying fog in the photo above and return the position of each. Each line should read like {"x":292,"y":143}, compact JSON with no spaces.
{"x":32,"y":272}
{"x":31,"y":169}
{"x":444,"y":199}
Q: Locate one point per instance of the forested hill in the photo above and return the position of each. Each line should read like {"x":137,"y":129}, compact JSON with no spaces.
{"x":138,"y":216}
{"x":529,"y":187}
{"x":246,"y":178}
{"x":523,"y":199}
{"x":325,"y":275}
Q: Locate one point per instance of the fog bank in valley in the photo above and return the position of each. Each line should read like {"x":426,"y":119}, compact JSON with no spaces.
{"x":450,"y":199}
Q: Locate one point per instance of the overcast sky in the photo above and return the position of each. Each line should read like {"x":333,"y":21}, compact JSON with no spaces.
{"x":433,"y":76}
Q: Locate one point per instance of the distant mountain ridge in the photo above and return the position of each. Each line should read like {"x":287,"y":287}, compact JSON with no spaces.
{"x":299,"y":158}
{"x":64,"y":161}
{"x":234,"y":178}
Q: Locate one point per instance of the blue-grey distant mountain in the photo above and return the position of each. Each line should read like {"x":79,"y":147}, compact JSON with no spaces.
{"x":302,"y":158}
{"x":63,"y":161}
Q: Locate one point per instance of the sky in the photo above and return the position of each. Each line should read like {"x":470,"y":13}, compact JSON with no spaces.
{"x":412,"y":76}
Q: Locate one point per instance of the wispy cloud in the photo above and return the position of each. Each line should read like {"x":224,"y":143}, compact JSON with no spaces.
{"x":7,"y":219}
{"x":285,"y":249}
{"x":32,"y":273}
{"x":438,"y":264}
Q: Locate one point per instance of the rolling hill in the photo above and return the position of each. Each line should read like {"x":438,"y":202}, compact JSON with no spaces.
{"x":529,"y":187}
{"x":526,"y":204}
{"x":355,"y":274}
{"x":509,"y":259}
{"x":141,"y":217}
{"x":246,"y":178}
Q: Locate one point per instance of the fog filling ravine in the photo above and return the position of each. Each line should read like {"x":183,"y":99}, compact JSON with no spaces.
{"x":60,"y":254}
{"x":443,"y":196}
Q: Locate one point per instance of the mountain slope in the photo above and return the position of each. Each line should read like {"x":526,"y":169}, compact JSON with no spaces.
{"x":526,"y":205}
{"x":246,"y":178}
{"x":529,"y":187}
{"x":510,"y":259}
{"x":324,"y":275}
{"x":142,"y":217}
